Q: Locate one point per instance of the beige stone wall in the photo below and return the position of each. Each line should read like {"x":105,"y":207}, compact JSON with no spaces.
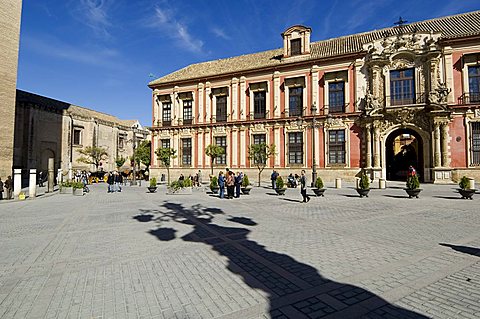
{"x":10,"y":13}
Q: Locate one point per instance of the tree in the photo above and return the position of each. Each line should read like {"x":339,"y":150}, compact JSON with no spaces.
{"x":213,"y":151}
{"x":120,"y":161}
{"x":259,"y":154}
{"x":93,"y":155}
{"x":165,"y":155}
{"x":142,"y":153}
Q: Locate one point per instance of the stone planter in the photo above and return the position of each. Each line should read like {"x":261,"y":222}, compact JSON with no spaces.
{"x":246,"y":190}
{"x":66,"y":190}
{"x":467,"y":193}
{"x":78,"y":192}
{"x":280,"y":191}
{"x":319,"y":191}
{"x":152,"y":189}
{"x":180,"y":191}
{"x":363,"y":192}
{"x":413,"y":192}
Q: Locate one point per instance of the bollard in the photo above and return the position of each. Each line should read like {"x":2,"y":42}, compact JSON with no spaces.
{"x":50,"y":175}
{"x":32,"y":187}
{"x":381,"y":183}
{"x":59,"y":176}
{"x":357,"y":182}
{"x":471,"y":183}
{"x":338,"y":183}
{"x":17,"y":182}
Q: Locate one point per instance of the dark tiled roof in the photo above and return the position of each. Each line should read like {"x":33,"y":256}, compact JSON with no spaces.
{"x":456,"y":26}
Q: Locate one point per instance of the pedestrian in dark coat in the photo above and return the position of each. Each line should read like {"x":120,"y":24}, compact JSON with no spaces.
{"x":303,"y":187}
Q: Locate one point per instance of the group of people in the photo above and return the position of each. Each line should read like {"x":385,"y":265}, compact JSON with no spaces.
{"x":196,"y":179}
{"x":293,"y":181}
{"x":232,"y":182}
{"x":6,"y":187}
{"x":114,"y":181}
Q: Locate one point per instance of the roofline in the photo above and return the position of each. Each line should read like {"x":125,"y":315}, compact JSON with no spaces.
{"x":274,"y":67}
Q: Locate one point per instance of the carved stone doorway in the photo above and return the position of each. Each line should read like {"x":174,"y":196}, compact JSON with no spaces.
{"x":404,"y":147}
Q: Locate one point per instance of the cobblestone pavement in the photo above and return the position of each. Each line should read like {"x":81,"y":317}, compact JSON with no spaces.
{"x":140,"y":255}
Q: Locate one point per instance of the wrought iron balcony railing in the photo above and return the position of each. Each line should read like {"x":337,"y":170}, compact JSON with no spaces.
{"x":468,"y":98}
{"x":407,"y":99}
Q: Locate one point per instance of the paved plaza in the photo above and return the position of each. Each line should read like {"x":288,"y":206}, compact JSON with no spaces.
{"x":140,"y":255}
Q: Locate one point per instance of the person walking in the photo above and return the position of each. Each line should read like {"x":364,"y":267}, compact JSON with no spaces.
{"x":238,"y":184}
{"x":118,"y":182}
{"x":221,"y":184}
{"x":9,"y":187}
{"x":303,"y":187}
{"x":110,"y":182}
{"x":273,"y":177}
{"x":1,"y":189}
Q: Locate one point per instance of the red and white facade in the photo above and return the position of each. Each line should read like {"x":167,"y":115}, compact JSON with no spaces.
{"x":344,"y":102}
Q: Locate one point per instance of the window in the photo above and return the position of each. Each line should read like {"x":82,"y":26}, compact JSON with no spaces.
{"x":336,"y":147}
{"x":258,"y":139}
{"x":187,"y":112}
{"x":296,"y":46}
{"x":295,"y":148}
{"x":121,"y":140}
{"x":221,"y":109}
{"x":165,"y":143}
{"x":259,"y":104}
{"x":336,"y":97}
{"x":474,"y":83}
{"x":295,"y":101}
{"x":186,"y":151}
{"x":475,"y":143}
{"x":402,"y":87}
{"x":221,"y":141}
{"x":77,"y":136}
{"x":167,"y":113}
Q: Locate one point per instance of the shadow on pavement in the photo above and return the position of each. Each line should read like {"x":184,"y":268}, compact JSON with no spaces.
{"x":464,"y":249}
{"x":447,"y":197}
{"x":295,"y":289}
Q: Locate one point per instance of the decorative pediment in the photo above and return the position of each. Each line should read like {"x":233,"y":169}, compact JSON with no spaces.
{"x":417,"y":43}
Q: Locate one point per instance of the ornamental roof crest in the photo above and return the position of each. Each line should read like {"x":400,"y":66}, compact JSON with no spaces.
{"x":417,"y":43}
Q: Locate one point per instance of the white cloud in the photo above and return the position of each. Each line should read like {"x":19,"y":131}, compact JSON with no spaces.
{"x":95,"y":14}
{"x":166,"y":21}
{"x":220,"y":33}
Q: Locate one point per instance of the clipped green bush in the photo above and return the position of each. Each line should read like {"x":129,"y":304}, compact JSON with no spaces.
{"x":464,"y":182}
{"x":245,"y":182}
{"x":187,"y":182}
{"x":319,"y":183}
{"x":77,"y":185}
{"x":280,"y":183}
{"x":413,"y":182}
{"x":364,"y":182}
{"x":153,"y":182}
{"x":213,"y":182}
{"x":67,"y":184}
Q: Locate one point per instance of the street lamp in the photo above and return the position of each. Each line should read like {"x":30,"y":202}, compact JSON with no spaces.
{"x":313,"y":110}
{"x":134,"y":141}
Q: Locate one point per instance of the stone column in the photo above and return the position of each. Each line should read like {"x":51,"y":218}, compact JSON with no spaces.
{"x":436,"y":138}
{"x":368,"y":145}
{"x":32,"y":186}
{"x":70,"y":173}
{"x":51,"y":163}
{"x":17,"y":182}
{"x":60,"y":176}
{"x":376,"y":147}
{"x":444,"y":134}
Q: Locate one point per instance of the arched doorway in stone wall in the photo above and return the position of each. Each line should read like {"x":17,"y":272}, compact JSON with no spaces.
{"x":46,"y":154}
{"x":404,"y":147}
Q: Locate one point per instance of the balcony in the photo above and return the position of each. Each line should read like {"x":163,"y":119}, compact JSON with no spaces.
{"x":469,"y":98}
{"x":166,"y":123}
{"x":407,"y":99}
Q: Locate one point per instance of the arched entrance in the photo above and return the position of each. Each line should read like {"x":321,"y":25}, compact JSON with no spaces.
{"x":404,"y":147}
{"x":46,"y":154}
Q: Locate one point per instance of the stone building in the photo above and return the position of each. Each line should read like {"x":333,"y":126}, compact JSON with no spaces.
{"x":10,"y":15}
{"x":47,"y":128}
{"x":379,"y":100}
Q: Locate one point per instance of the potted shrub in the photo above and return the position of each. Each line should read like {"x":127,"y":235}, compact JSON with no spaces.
{"x":153,"y":185}
{"x":280,"y":186}
{"x":364,"y":185}
{"x":214,"y":184}
{"x":66,"y":187}
{"x":465,"y":190}
{"x":413,"y":186}
{"x":77,"y":188}
{"x":319,"y":190}
{"x":246,"y":187}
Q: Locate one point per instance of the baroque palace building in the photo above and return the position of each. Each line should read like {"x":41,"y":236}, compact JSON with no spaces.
{"x":379,"y":100}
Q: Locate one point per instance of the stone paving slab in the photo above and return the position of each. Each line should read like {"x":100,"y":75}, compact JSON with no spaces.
{"x":140,"y":255}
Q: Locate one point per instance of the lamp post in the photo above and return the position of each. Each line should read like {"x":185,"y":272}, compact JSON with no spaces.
{"x":134,"y":141}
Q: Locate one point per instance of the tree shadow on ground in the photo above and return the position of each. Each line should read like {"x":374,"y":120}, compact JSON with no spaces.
{"x":464,"y":249}
{"x":295,"y":289}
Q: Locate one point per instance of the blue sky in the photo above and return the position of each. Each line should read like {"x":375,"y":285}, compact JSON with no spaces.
{"x":101,"y":54}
